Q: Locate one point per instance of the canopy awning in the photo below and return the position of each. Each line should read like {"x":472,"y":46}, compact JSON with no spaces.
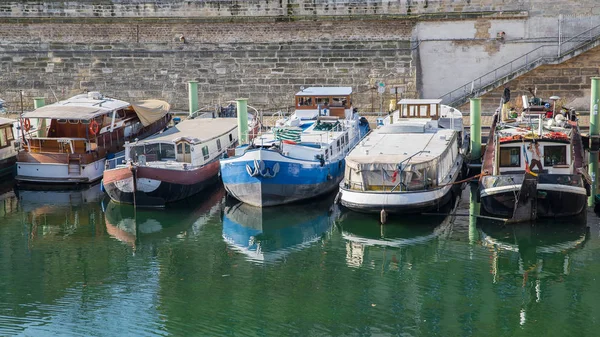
{"x":151,"y":110}
{"x":67,"y":112}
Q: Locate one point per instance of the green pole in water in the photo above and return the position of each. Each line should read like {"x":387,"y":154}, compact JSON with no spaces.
{"x":594,"y":130}
{"x":193,"y":96}
{"x":475,"y":127}
{"x":39,"y":102}
{"x":474,"y":211}
{"x":242,"y":118}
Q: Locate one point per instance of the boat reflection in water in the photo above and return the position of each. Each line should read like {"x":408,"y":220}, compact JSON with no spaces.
{"x":181,"y":219}
{"x":368,"y":243}
{"x":269,"y":234}
{"x":533,"y":254}
{"x":8,"y":200}
{"x":60,"y":213}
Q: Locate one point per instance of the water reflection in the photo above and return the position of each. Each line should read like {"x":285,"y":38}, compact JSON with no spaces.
{"x":60,"y":213}
{"x":182,"y":219}
{"x":8,"y":200}
{"x":371,"y":243}
{"x":269,"y":234}
{"x":539,"y":251}
{"x":534,"y":255}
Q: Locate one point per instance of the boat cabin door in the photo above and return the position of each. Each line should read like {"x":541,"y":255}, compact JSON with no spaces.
{"x":184,"y":152}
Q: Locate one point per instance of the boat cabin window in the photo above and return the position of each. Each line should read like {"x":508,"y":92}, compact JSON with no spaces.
{"x":510,"y":156}
{"x":312,"y":102}
{"x":322,"y":101}
{"x":420,"y":111}
{"x":154,"y":152}
{"x":73,"y":121}
{"x":219,"y":145}
{"x":6,"y":135}
{"x":304,"y":101}
{"x":205,"y":152}
{"x":555,"y":155}
{"x":346,"y":137}
{"x":61,"y":121}
{"x":339,"y":101}
{"x":230,"y":138}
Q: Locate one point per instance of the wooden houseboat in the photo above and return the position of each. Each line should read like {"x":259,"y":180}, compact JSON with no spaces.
{"x":69,"y":141}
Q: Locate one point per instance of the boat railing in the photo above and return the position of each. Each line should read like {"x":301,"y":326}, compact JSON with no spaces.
{"x":115,"y":161}
{"x":58,"y":145}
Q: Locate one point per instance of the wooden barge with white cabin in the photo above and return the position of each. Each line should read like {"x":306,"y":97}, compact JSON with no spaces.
{"x":173,"y":165}
{"x":68,"y":142}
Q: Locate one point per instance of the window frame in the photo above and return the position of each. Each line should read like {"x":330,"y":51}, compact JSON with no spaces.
{"x":546,"y":156}
{"x":509,"y":148}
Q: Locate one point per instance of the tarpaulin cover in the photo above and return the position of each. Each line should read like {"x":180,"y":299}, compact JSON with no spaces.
{"x":151,"y":110}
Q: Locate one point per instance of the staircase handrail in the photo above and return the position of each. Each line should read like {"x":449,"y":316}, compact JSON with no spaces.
{"x":469,"y":88}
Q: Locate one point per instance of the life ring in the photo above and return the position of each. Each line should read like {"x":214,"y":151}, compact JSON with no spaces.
{"x":94,"y":127}
{"x":27,"y":124}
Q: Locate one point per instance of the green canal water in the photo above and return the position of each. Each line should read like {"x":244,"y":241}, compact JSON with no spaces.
{"x":73,"y":264}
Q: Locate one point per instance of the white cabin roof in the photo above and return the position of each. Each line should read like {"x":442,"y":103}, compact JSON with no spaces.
{"x":420,"y":101}
{"x":325,"y":91}
{"x":4,"y":121}
{"x":194,"y":130}
{"x":80,"y":107}
{"x":389,"y":149}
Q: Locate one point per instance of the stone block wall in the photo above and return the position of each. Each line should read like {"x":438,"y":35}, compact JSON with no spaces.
{"x":267,"y":62}
{"x":292,"y":9}
{"x":289,"y":9}
{"x":570,"y":80}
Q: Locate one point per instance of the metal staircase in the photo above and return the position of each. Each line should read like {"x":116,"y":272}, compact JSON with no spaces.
{"x":545,"y":54}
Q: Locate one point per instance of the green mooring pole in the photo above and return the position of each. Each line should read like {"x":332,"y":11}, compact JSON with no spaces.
{"x":39,"y":102}
{"x":193,"y":96}
{"x":475,"y":128}
{"x":242,"y":118}
{"x":594,"y":131}
{"x":474,"y":211}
